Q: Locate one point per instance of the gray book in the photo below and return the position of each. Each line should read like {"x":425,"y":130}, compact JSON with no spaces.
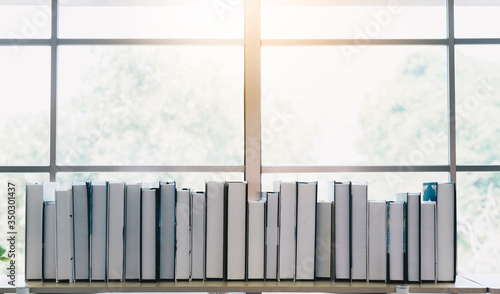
{"x":215,"y":214}
{"x":359,"y":194}
{"x":183,"y":238}
{"x":167,"y":230}
{"x":287,"y":208}
{"x":81,"y":202}
{"x":49,"y":240}
{"x":116,"y":211}
{"x":446,"y":241}
{"x":324,"y":240}
{"x":198,"y":236}
{"x":236,"y":230}
{"x":149,"y":234}
{"x":428,"y":241}
{"x":272,"y":235}
{"x":132,"y":231}
{"x":342,"y":240}
{"x":307,"y":198}
{"x":64,"y":236}
{"x":98,"y":235}
{"x":377,"y":240}
{"x":256,"y":238}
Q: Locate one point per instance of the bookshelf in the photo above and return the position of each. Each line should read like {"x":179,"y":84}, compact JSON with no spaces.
{"x":462,"y":285}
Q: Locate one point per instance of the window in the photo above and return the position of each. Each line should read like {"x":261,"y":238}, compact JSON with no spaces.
{"x":390,"y":92}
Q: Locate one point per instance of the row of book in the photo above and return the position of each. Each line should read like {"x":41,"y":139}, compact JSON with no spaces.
{"x":115,"y":231}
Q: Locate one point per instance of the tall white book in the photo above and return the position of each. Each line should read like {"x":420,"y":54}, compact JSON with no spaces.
{"x":272,"y":235}
{"x":198,"y":235}
{"x":428,"y":245}
{"x":215,"y":214}
{"x":167,"y":230}
{"x":396,"y":258}
{"x":183,"y":238}
{"x":412,"y":201}
{"x":116,"y":217}
{"x":34,"y":229}
{"x":49,"y":240}
{"x":446,"y":206}
{"x":81,"y":201}
{"x":64,"y":236}
{"x":287,"y":218}
{"x":359,"y":194}
{"x":236,"y":230}
{"x":149,"y":234}
{"x":342,"y":224}
{"x":132,"y":231}
{"x":324,"y":240}
{"x":256,"y":238}
{"x":307,"y":198}
{"x":98,"y":230}
{"x":377,"y":241}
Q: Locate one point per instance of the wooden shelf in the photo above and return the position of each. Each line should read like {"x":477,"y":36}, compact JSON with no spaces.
{"x":462,"y":285}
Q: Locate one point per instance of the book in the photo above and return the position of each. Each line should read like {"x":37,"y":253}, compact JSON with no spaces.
{"x":324,"y":240}
{"x":307,"y":198}
{"x":236,"y":212}
{"x":183,"y":235}
{"x":395,"y":246}
{"x":98,"y":230}
{"x":446,"y":240}
{"x":287,"y":209}
{"x":81,"y":224}
{"x":149,"y":234}
{"x":49,"y":241}
{"x":215,"y":214}
{"x":271,"y":249}
{"x":116,"y":223}
{"x":359,"y":194}
{"x":132,"y":231}
{"x":64,"y":236}
{"x":168,"y":194}
{"x":198,"y":235}
{"x":342,"y":229}
{"x":256,"y":238}
{"x":428,"y":245}
{"x":412,"y":243}
{"x":377,"y":241}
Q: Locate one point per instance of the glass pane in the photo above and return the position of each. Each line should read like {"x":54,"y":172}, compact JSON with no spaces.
{"x":151,"y":19}
{"x":477,"y":19}
{"x":381,"y":186}
{"x":192,"y":180}
{"x":25,"y":19}
{"x":478,"y":223}
{"x":478,"y":104}
{"x":20,"y":181}
{"x":24,"y":105}
{"x":150,"y":105}
{"x":359,"y":19}
{"x":328,"y":105}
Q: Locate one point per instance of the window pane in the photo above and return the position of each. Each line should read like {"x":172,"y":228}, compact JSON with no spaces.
{"x":20,"y":181}
{"x":25,"y":19}
{"x":381,"y":105}
{"x":477,"y":19}
{"x":151,"y":19}
{"x":192,"y":180}
{"x":359,"y":19}
{"x":150,"y":105}
{"x":24,"y":105}
{"x":478,"y":104}
{"x":478,"y":223}
{"x":381,"y":186}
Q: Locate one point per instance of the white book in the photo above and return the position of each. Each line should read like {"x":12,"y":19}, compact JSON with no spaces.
{"x":98,"y":236}
{"x":287,"y":218}
{"x":413,"y":237}
{"x":307,"y":198}
{"x":49,"y":240}
{"x":132,"y":231}
{"x":341,"y":237}
{"x":81,"y":202}
{"x":236,"y":230}
{"x":149,"y":234}
{"x":446,"y":232}
{"x":395,"y":213}
{"x":272,"y":235}
{"x":359,"y":194}
{"x":214,"y":263}
{"x":183,"y":238}
{"x":256,"y":238}
{"x":167,"y":230}
{"x":64,"y":235}
{"x":116,"y":212}
{"x":34,"y":229}
{"x":428,"y":245}
{"x":49,"y":191}
{"x":198,"y":235}
{"x":377,"y":241}
{"x":324,"y":240}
